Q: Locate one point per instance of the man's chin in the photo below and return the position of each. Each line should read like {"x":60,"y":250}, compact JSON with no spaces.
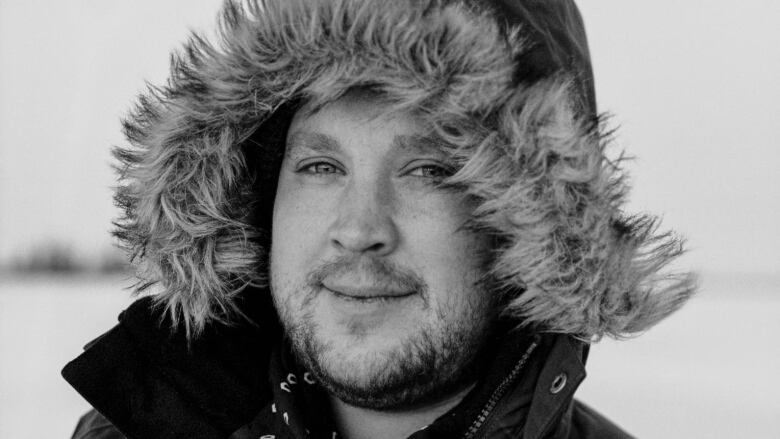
{"x":403,"y":396}
{"x":413,"y":372}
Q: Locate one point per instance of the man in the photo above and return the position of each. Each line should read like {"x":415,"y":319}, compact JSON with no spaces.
{"x":373,"y":219}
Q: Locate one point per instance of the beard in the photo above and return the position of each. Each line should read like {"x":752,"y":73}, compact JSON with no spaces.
{"x":436,"y":359}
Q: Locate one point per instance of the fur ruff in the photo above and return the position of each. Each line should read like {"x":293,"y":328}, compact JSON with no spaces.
{"x":198,"y":179}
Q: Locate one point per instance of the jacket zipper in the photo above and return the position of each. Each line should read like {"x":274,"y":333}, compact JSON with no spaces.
{"x":499,"y":392}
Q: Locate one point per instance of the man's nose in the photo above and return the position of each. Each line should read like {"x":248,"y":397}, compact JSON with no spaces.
{"x":364,"y":221}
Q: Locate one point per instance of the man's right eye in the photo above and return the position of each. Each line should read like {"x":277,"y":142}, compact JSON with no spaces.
{"x":321,"y":168}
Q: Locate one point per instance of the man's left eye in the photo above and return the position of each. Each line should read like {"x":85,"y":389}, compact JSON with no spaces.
{"x":431,"y":171}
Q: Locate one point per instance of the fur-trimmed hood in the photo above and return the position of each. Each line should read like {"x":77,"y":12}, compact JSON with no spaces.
{"x":507,"y":84}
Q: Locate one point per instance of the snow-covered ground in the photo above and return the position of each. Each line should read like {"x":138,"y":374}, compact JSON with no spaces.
{"x":710,"y":371}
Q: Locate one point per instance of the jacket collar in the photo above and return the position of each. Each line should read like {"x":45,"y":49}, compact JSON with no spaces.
{"x":561,"y":375}
{"x":150,"y":383}
{"x":537,"y":404}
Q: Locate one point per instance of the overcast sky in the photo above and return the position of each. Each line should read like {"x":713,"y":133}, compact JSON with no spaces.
{"x":693,"y":87}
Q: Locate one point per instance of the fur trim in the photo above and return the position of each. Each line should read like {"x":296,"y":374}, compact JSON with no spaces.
{"x":198,"y":181}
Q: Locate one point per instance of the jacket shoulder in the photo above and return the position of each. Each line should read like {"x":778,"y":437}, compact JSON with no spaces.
{"x":587,"y":423}
{"x":94,"y":426}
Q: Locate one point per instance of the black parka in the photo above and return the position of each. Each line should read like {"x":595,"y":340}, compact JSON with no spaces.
{"x":148,"y":384}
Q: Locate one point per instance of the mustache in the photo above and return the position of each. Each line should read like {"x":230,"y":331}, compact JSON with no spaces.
{"x":380,"y":272}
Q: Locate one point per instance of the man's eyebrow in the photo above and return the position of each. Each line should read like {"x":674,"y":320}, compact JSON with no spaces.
{"x":315,"y":142}
{"x":419,"y":144}
{"x":323,"y":143}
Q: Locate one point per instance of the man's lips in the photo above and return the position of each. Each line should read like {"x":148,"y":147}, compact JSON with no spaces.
{"x":365,"y":292}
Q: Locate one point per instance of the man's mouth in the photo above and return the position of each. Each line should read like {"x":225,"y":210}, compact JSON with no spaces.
{"x":365,"y":293}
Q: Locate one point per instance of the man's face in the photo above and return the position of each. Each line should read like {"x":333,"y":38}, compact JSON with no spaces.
{"x":373,"y":275}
